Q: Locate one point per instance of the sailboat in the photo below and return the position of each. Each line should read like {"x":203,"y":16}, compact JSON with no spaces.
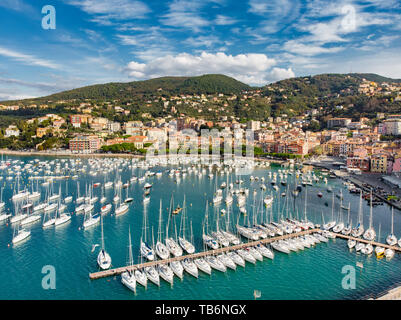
{"x":161,"y":249}
{"x":391,"y":238}
{"x":61,"y":218}
{"x":332,"y":223}
{"x":184,"y":243}
{"x":151,"y":272}
{"x":50,"y":221}
{"x":122,"y":208}
{"x":359,"y":230}
{"x":19,"y":215}
{"x":379,"y":251}
{"x":128,"y":277}
{"x":207,"y":239}
{"x":370,"y":234}
{"x":146,"y":251}
{"x":19,"y":195}
{"x":340,"y":226}
{"x":79,"y":199}
{"x":2,"y":203}
{"x":90,"y":220}
{"x":20,"y":234}
{"x":190,"y":267}
{"x":103,"y":258}
{"x":171,"y":243}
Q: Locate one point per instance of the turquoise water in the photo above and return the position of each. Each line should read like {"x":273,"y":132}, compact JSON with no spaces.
{"x":310,"y":274}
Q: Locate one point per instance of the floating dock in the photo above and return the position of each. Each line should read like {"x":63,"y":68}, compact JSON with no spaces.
{"x":373,"y":243}
{"x":117,"y":271}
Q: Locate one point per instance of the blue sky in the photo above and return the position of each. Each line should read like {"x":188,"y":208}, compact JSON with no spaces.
{"x":255,"y":41}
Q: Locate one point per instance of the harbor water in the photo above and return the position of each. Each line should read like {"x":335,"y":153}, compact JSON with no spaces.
{"x":314,"y":273}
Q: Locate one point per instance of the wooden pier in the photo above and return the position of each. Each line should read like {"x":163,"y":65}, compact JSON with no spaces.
{"x":373,"y":243}
{"x":117,"y":271}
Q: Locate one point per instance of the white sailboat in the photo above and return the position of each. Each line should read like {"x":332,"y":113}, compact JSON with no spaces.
{"x":391,"y":238}
{"x":103,"y":258}
{"x":370,"y":234}
{"x":20,"y":235}
{"x":160,"y":248}
{"x":128,"y":277}
{"x":359,"y":230}
{"x":145,"y":250}
{"x":184,"y":243}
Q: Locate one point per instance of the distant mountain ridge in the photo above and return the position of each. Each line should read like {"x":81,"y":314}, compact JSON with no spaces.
{"x":207,"y":84}
{"x":299,"y":92}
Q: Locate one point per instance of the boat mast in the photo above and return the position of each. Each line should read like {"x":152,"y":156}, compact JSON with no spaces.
{"x":371,"y":210}
{"x":101,"y":225}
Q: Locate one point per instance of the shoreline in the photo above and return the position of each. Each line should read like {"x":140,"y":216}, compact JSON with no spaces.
{"x":110,"y":155}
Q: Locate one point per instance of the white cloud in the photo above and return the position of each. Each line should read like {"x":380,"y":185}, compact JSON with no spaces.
{"x":27,"y":59}
{"x":186,"y":14}
{"x":297,"y":47}
{"x":250,"y":68}
{"x":107,"y":10}
{"x":224,"y":20}
{"x":279,"y":74}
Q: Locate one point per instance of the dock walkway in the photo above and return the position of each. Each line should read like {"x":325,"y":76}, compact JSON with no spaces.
{"x":117,"y":271}
{"x":373,"y":243}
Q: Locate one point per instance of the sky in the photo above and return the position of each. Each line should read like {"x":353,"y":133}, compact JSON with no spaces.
{"x":254,"y":41}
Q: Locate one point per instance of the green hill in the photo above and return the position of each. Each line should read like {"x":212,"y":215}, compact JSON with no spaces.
{"x":207,"y":84}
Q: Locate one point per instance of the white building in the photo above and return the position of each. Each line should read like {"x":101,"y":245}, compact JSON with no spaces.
{"x":392,"y":127}
{"x":12,"y":131}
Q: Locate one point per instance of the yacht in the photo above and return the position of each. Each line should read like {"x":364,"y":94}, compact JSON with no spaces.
{"x":141,"y":277}
{"x":226,"y":260}
{"x":266,"y":252}
{"x":236,"y":258}
{"x":20,"y":235}
{"x":165,"y":273}
{"x":173,"y":247}
{"x":246,"y":256}
{"x":103,"y":258}
{"x":177,"y":268}
{"x":190,"y":267}
{"x":351,"y":243}
{"x":215,"y":263}
{"x":203,"y":265}
{"x":152,"y":275}
{"x":105,"y":209}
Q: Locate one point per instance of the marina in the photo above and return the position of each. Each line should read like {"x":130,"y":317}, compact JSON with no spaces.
{"x":262,"y":233}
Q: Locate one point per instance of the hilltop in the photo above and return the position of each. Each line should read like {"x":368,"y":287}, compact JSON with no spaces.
{"x":207,"y":84}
